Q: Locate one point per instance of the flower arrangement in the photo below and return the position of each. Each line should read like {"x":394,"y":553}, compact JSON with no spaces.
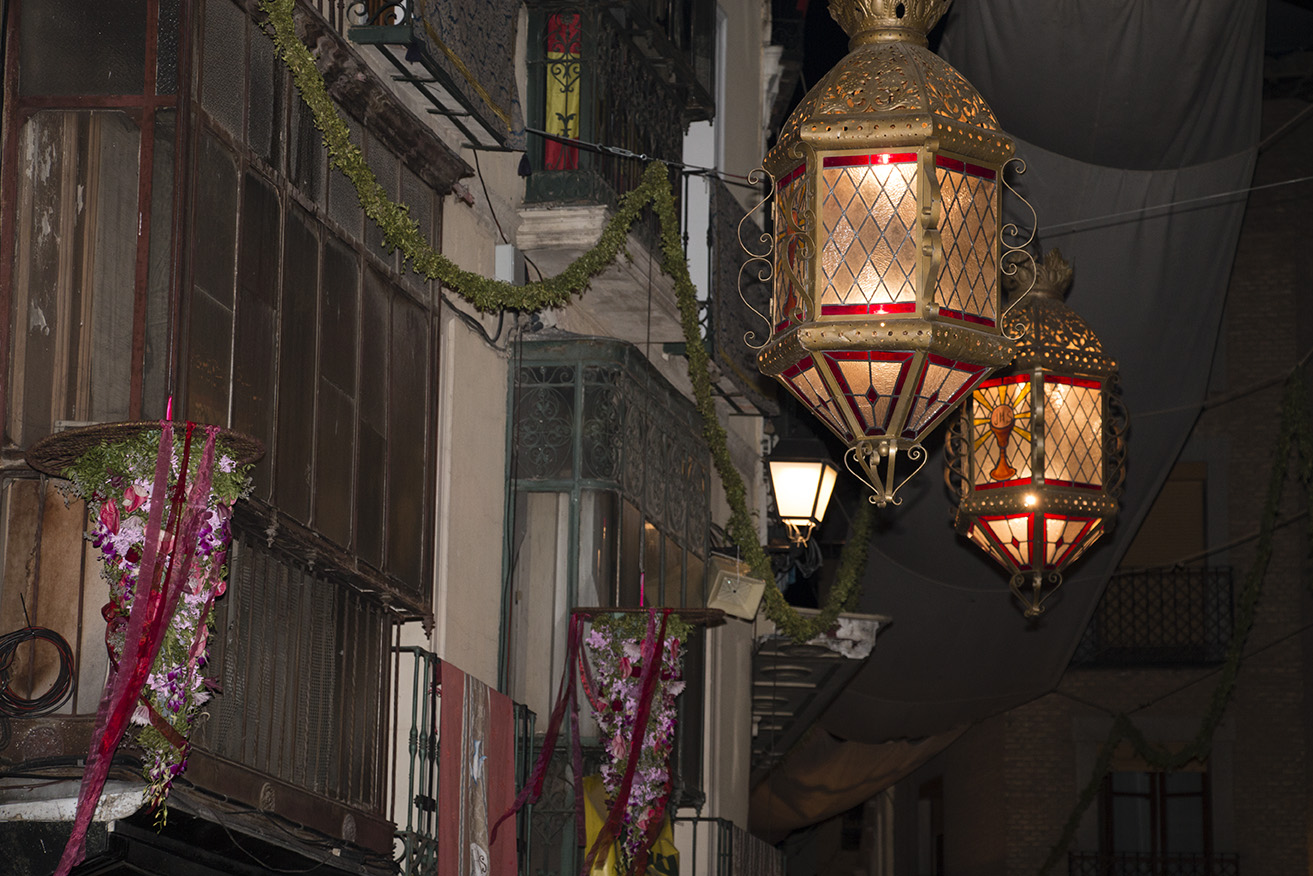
{"x":616,"y":646}
{"x":116,"y":480}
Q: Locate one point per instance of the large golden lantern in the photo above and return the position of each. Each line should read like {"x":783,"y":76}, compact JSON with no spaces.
{"x":885,"y":310}
{"x":1037,"y":456}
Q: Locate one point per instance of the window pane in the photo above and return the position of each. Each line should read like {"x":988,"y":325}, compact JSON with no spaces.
{"x":166,"y":60}
{"x":673,"y":574}
{"x":408,"y":487}
{"x":372,"y":458}
{"x":336,"y":410}
{"x":305,"y":158}
{"x":75,"y":267}
{"x":338,"y":317}
{"x":386,"y":168}
{"x":75,"y":47}
{"x":296,"y":366}
{"x":598,"y":537}
{"x":343,"y":203}
{"x":690,"y":708}
{"x":265,"y":110}
{"x":214,"y":245}
{"x":1131,"y":826}
{"x":651,"y":565}
{"x":254,"y":363}
{"x":631,"y":543}
{"x":155,"y":365}
{"x":223,"y":69}
{"x":695,"y":585}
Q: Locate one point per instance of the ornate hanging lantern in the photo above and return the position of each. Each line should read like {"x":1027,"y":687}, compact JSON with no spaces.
{"x":1038,"y":455}
{"x":885,"y":311}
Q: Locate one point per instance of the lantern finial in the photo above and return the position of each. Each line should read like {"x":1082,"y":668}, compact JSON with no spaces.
{"x":874,"y":20}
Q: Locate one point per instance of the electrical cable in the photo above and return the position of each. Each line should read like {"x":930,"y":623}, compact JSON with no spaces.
{"x":61,"y":689}
{"x":1108,"y":219}
{"x":732,"y":179}
{"x":479,"y":170}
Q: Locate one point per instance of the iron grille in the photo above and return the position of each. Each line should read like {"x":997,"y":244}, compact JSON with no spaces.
{"x":1167,"y":616}
{"x":1137,"y":864}
{"x":302,"y":664}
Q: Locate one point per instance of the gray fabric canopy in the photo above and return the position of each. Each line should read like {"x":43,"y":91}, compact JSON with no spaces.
{"x":1138,"y":123}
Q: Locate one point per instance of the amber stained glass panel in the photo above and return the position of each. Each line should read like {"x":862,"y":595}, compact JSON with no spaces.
{"x":870,"y":384}
{"x":1073,"y":415}
{"x":944,"y":384}
{"x":869,"y":230}
{"x":805,"y":381}
{"x":968,"y":274}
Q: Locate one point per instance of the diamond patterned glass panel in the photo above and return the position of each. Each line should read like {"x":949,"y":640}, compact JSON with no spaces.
{"x":1073,"y":413}
{"x":1086,"y":542}
{"x":868,"y":223}
{"x":1001,"y":439}
{"x":943,"y":384}
{"x":968,"y":277}
{"x":983,"y":541}
{"x":1012,"y":535}
{"x":871,"y":384}
{"x":806,"y":383}
{"x":792,"y":266}
{"x":1061,"y":534}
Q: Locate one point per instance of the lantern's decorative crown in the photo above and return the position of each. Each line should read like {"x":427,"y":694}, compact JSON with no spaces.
{"x":869,"y":20}
{"x":891,"y":92}
{"x":1052,"y":334}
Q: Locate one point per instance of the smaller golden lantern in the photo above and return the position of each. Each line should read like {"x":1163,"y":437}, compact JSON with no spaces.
{"x":1038,"y":455}
{"x":885,"y":259}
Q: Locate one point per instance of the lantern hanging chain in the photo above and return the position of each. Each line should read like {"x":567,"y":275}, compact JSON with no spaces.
{"x":1293,"y":436}
{"x":487,"y":294}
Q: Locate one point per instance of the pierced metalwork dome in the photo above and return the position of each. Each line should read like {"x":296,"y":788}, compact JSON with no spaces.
{"x":1050,"y":334}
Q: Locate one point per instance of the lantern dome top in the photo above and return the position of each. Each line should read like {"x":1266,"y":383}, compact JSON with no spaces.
{"x":890,"y":93}
{"x":1052,"y":335}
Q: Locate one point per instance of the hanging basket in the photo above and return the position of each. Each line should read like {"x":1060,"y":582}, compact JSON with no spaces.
{"x":159,"y":497}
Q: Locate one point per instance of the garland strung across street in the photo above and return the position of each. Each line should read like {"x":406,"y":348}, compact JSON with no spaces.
{"x":486,"y":294}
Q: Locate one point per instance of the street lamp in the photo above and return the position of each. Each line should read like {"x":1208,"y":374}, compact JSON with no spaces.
{"x":802,"y":477}
{"x":885,"y":257}
{"x":1037,"y":457}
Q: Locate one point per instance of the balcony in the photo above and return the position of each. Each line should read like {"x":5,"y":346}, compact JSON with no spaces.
{"x":614,"y":75}
{"x":418,"y":696}
{"x":707,"y":846}
{"x":1143,"y":864}
{"x":294,"y":754}
{"x":1160,"y":617}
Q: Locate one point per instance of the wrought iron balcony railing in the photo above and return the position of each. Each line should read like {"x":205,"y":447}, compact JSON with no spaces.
{"x":1139,"y":864}
{"x":418,"y":696}
{"x":1160,"y":617}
